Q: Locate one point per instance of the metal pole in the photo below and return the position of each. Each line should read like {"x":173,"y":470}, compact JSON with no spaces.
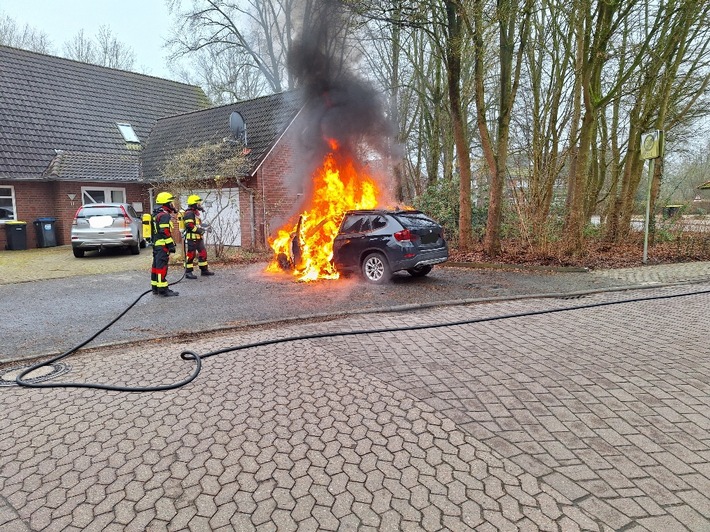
{"x":648,"y":211}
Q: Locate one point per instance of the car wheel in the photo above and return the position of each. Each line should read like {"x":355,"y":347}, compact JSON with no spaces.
{"x":143,"y":244}
{"x":78,"y":253}
{"x":376,"y":269}
{"x":420,"y":271}
{"x":135,"y":249}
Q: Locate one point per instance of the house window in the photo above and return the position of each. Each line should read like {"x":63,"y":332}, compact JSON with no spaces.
{"x":102,"y":195}
{"x":7,"y":204}
{"x":128,"y":134}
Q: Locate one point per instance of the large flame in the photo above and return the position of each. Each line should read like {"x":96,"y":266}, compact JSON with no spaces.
{"x":339,"y":185}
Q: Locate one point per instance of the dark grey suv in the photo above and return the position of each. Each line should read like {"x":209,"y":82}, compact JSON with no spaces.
{"x":380,"y":242}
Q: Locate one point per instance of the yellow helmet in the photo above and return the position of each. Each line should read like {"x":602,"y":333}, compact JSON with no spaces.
{"x":194,"y":200}
{"x":164,"y":198}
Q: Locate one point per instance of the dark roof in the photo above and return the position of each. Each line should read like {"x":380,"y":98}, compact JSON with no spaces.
{"x":266,"y":119}
{"x":82,"y":166}
{"x":49,"y":103}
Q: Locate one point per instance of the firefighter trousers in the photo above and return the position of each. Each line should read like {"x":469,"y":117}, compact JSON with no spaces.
{"x":159,"y":270}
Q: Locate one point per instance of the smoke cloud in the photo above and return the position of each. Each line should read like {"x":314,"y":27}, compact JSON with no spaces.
{"x":339,"y":105}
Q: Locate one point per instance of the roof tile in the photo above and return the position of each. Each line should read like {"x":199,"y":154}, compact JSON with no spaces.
{"x":49,"y":103}
{"x":266,"y":119}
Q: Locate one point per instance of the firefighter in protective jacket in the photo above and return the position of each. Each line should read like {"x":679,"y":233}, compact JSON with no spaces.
{"x":194,"y":232}
{"x":163,"y":244}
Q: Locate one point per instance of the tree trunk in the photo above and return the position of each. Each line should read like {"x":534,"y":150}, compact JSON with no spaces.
{"x":453,"y":70}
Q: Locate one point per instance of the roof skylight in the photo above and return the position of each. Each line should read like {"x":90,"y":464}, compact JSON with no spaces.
{"x":128,"y":134}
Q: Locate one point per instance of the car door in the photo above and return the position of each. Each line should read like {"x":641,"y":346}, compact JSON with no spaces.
{"x":350,"y":240}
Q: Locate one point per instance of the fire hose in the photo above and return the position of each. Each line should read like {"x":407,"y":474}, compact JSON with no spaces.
{"x":197,"y":358}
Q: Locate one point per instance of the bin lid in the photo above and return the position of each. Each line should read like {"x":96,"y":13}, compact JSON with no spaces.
{"x":14,"y":222}
{"x":46,"y":219}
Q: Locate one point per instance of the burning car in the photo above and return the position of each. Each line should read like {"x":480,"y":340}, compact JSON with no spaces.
{"x":345,"y":230}
{"x":377,"y":243}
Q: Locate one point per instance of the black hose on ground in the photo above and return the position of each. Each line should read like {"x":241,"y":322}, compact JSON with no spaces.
{"x":191,"y":355}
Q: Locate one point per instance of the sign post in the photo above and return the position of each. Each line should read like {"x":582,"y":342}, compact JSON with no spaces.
{"x":651,"y":149}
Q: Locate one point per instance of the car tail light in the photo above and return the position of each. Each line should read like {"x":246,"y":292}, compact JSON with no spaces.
{"x":126,"y":219}
{"x":405,"y":235}
{"x":76,"y":215}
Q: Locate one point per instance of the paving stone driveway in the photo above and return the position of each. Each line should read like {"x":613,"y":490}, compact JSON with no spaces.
{"x":590,"y":419}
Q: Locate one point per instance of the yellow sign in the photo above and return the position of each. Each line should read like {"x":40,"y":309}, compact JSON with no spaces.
{"x":652,"y":144}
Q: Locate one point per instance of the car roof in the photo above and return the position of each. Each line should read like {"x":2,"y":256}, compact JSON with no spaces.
{"x":91,"y":205}
{"x":383,"y":211}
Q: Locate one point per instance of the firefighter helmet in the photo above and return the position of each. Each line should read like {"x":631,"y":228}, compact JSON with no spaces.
{"x":194,"y":200}
{"x":164,"y":198}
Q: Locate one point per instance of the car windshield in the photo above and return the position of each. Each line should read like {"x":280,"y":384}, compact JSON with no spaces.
{"x":87,"y":212}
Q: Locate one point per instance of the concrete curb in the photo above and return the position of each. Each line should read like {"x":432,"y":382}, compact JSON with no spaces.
{"x":515,"y":267}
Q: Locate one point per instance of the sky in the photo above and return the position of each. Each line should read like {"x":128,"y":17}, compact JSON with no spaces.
{"x":142,"y":25}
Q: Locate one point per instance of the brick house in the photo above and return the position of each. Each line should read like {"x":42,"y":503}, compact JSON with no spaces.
{"x":72,"y":133}
{"x":251,"y":205}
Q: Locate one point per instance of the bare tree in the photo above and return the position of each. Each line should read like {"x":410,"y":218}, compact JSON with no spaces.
{"x":111,"y":52}
{"x":255,"y":33}
{"x":542,"y":121}
{"x":80,"y":48}
{"x":24,"y":37}
{"x":104,"y":50}
{"x":512,"y":19}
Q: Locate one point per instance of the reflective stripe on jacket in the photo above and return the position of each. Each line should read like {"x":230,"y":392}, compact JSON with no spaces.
{"x":162,"y":226}
{"x":192,"y":221}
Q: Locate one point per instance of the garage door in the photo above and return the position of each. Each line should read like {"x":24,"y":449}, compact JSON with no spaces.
{"x":222,"y":213}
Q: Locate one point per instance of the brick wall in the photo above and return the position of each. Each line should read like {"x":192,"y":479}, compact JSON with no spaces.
{"x":39,"y":199}
{"x":279,"y":187}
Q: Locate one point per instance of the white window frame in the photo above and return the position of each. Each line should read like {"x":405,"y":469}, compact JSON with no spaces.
{"x":107,"y":191}
{"x":129,"y":135}
{"x":14,"y":203}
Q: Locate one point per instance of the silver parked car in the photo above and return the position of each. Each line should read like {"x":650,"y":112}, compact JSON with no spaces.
{"x":106,"y":225}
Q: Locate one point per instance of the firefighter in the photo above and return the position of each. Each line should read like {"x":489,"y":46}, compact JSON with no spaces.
{"x":163,"y":244}
{"x":194,"y":232}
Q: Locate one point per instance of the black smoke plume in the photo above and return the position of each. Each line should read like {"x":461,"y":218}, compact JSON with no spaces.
{"x":339,"y":105}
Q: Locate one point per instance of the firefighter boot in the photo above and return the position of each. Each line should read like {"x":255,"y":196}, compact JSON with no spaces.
{"x":166,"y":292}
{"x":207,"y":272}
{"x":190,"y":275}
{"x":154,"y":289}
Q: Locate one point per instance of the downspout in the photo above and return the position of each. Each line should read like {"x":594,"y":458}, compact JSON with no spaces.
{"x":263,"y":207}
{"x":252,"y":211}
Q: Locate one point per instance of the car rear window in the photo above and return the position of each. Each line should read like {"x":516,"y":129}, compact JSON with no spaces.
{"x":415,"y":221}
{"x":87,"y":212}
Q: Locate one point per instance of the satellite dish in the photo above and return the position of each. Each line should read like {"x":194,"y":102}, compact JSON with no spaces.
{"x":238,"y":126}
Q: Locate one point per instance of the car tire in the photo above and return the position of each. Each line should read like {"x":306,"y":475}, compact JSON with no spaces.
{"x":421,"y":271}
{"x":135,"y":249}
{"x":78,"y":253}
{"x":376,"y":269}
{"x":143,"y":244}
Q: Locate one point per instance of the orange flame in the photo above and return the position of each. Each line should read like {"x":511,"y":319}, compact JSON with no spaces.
{"x":338,"y":186}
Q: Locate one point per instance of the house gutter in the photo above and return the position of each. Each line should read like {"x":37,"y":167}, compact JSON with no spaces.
{"x":252,"y":210}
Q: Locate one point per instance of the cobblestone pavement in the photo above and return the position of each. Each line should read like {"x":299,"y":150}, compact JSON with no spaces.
{"x":589,"y":419}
